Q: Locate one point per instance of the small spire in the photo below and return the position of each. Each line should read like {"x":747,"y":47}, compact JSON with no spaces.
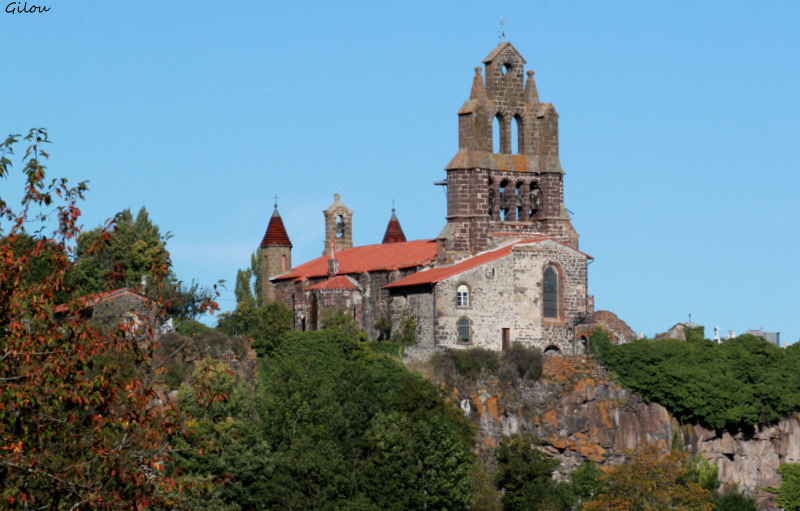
{"x":531,"y":94}
{"x":276,"y":233}
{"x":478,"y":90}
{"x":394,"y":233}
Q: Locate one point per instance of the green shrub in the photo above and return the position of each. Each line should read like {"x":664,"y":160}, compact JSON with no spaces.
{"x":175,"y":375}
{"x":384,"y":327}
{"x":391,"y":348}
{"x":407,"y":333}
{"x":467,"y":364}
{"x":191,"y":328}
{"x":740,"y":382}
{"x":525,"y":363}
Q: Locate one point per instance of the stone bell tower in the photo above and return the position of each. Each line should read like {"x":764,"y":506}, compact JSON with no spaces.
{"x":490,"y":188}
{"x":338,"y":226}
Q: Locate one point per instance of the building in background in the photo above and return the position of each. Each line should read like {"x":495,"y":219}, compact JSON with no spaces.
{"x":505,"y":268}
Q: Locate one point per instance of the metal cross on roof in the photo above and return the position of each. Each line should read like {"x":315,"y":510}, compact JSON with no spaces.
{"x":502,"y":30}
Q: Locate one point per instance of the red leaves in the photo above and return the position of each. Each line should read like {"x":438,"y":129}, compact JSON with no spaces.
{"x":75,"y":418}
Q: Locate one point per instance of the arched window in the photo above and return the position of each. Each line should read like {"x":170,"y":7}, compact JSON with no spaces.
{"x":497,"y":124}
{"x":550,"y":293}
{"x":517,"y":136}
{"x":504,"y":200}
{"x":464,"y":333}
{"x":283,"y":263}
{"x":518,"y":203}
{"x":462,"y":296}
{"x":340,"y":226}
{"x":534,"y":198}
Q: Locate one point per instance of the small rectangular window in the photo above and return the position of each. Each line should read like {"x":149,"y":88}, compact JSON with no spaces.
{"x":464,"y":336}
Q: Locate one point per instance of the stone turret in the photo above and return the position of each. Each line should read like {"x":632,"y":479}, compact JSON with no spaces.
{"x":506,"y":176}
{"x":338,"y":226}
{"x":276,"y":255}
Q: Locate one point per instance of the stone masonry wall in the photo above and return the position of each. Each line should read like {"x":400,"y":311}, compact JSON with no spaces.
{"x":507,"y":294}
{"x":419,"y":303}
{"x":349,"y":300}
{"x":374,"y":302}
{"x":274,"y":261}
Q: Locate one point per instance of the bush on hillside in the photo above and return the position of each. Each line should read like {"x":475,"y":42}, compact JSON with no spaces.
{"x":741,"y":382}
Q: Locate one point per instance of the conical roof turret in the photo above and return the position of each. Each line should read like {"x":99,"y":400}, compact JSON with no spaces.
{"x":394,"y":233}
{"x":478,"y":90}
{"x":276,"y":235}
{"x":531,"y":94}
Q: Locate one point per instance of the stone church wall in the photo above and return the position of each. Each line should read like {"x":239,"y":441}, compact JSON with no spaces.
{"x":419,"y":303}
{"x":507,"y":294}
{"x":490,"y":309}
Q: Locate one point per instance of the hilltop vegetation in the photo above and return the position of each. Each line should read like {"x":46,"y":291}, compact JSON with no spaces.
{"x":741,"y":382}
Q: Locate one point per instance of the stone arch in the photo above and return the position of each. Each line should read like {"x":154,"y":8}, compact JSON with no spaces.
{"x":518,"y":134}
{"x":534,"y":199}
{"x":504,"y":201}
{"x":582,"y":346}
{"x":502,"y":143}
{"x":519,"y":201}
{"x":463,"y":294}
{"x":497,"y":133}
{"x":552,"y":350}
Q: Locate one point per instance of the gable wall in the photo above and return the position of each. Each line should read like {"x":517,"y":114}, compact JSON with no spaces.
{"x":507,"y":293}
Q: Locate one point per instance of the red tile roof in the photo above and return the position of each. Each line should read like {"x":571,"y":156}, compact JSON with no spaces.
{"x":392,"y":256}
{"x":337,"y":283}
{"x":435,"y":275}
{"x":276,"y":233}
{"x":394,"y":233}
{"x":94,"y":299}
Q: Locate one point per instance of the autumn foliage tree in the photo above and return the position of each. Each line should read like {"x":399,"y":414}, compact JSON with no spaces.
{"x":651,"y":479}
{"x":77,"y":425}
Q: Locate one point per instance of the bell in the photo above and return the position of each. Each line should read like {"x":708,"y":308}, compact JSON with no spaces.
{"x":519,"y":202}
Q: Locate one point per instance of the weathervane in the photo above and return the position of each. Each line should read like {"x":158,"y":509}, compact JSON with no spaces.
{"x":502,"y":30}
{"x":392,"y":205}
{"x":276,"y":202}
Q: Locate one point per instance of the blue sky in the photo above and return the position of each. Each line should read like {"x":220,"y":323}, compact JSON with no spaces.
{"x":678,"y":125}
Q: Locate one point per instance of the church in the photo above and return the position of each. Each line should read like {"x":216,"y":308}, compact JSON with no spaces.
{"x":505,"y":268}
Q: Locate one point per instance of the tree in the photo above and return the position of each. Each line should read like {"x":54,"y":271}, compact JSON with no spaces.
{"x":740,"y":382}
{"x":352,"y":429}
{"x":525,"y":476}
{"x":225,"y":464}
{"x":133,"y":253}
{"x":265,"y":325}
{"x":135,"y":248}
{"x":651,"y":479}
{"x":789,"y":492}
{"x":75,"y":431}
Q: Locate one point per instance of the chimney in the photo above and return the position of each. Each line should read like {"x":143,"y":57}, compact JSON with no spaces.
{"x":333,"y":267}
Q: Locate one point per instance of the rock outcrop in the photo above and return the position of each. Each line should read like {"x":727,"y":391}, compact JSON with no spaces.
{"x":579,"y":414}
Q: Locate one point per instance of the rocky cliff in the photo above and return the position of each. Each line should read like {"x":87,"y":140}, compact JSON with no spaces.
{"x":579,"y":414}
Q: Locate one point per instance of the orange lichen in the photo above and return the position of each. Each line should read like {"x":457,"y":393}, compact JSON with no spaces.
{"x":491,"y":406}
